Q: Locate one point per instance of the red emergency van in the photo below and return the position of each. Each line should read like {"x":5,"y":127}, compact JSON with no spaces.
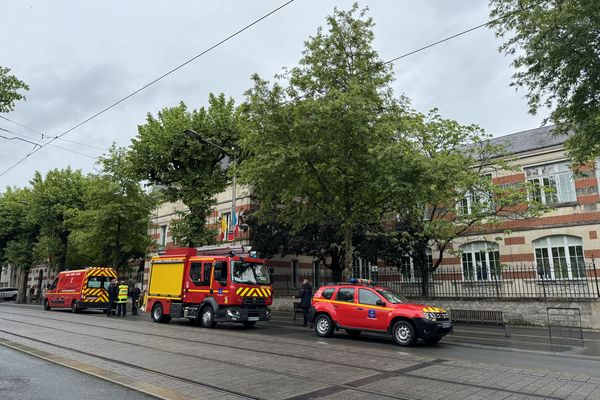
{"x":80,"y":289}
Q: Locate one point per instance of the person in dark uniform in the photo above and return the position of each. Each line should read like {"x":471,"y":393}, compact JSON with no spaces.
{"x":305,"y":296}
{"x":135,"y":296}
{"x":113,"y":294}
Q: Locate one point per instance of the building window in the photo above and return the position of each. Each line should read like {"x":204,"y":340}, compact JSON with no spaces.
{"x":408,"y":270}
{"x":553,"y":183}
{"x":559,"y":257}
{"x":162,"y":235}
{"x":477,"y":200}
{"x":480,"y":261}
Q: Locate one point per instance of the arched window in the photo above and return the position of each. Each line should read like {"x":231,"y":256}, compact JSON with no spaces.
{"x":480,"y":261}
{"x":559,"y":257}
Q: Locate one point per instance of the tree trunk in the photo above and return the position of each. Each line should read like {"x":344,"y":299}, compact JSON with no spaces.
{"x":61,"y":261}
{"x":23,"y":276}
{"x":421,"y":262}
{"x":348,"y":250}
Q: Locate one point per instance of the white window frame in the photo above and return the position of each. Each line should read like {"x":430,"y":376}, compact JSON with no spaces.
{"x":555,"y":256}
{"x":480,"y":261}
{"x":407,"y":267}
{"x":162,"y":235}
{"x":464,"y":206}
{"x":558,"y":176}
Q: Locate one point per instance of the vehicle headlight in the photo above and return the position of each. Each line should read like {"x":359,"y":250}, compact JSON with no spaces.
{"x":233,"y":313}
{"x":430,"y":316}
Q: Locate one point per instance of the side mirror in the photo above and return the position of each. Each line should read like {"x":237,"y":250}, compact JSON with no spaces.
{"x":271,"y":270}
{"x":380,"y":303}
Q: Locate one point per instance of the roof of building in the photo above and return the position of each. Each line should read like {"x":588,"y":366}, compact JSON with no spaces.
{"x":529,"y":140}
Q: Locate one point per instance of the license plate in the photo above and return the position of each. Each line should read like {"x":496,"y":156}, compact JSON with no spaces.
{"x":252,"y":318}
{"x":445,"y":324}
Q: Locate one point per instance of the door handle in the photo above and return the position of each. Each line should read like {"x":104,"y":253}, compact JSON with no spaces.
{"x":334,"y":306}
{"x":359,"y":308}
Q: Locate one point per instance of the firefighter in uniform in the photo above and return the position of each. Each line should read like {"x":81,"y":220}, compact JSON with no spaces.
{"x":113,"y":293}
{"x":122,"y":299}
{"x":135,"y":296}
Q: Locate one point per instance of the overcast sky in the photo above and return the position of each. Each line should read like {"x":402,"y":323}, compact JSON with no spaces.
{"x":78,"y":57}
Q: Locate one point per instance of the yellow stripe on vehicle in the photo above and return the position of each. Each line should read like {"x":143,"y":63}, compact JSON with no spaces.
{"x":351,"y":304}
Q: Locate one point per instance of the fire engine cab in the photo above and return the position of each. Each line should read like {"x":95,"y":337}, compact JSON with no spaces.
{"x":208,"y":289}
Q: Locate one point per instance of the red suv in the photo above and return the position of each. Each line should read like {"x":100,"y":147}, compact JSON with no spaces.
{"x":358,"y":307}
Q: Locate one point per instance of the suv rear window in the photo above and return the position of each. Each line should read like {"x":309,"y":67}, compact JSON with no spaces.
{"x":327,"y":293}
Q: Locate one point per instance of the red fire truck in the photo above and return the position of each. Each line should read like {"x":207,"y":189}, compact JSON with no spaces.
{"x":80,"y":289}
{"x":208,"y":289}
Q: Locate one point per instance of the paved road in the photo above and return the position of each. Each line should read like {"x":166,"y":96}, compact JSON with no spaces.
{"x":26,"y":377}
{"x":282,"y":360}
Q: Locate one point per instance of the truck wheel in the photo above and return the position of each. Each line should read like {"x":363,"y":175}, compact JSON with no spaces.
{"x":46,"y":305}
{"x":74,"y":308}
{"x":404,"y":333}
{"x":249,"y":324}
{"x":323,"y":326}
{"x":208,"y":317}
{"x":157,"y":314}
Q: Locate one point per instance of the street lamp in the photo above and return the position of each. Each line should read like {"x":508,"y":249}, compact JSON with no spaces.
{"x":194,"y":135}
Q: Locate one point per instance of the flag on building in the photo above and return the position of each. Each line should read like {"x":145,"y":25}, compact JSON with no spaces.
{"x":223,"y":230}
{"x":233,"y":226}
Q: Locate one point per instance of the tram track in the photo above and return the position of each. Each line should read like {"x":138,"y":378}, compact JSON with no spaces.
{"x":331,"y":384}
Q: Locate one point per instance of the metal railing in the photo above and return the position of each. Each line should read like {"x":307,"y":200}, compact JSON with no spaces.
{"x":514,"y":281}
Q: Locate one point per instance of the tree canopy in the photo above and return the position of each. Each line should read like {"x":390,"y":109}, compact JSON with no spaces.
{"x":10,"y":86}
{"x":112,"y":229}
{"x":322,"y":130}
{"x":186,"y":168}
{"x":556,"y":45}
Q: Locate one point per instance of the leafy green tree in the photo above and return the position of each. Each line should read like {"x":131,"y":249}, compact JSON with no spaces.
{"x":556,"y":44}
{"x":313,"y":142}
{"x":55,"y":201}
{"x":18,"y":233}
{"x":269,"y":238}
{"x":112,"y":229}
{"x":439,"y":187}
{"x":188,"y":169}
{"x":9,"y":90}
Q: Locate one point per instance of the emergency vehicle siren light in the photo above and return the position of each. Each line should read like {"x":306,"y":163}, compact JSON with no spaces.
{"x":356,"y":280}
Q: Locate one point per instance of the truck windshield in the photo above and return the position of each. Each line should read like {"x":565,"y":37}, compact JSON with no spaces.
{"x":249,"y":272}
{"x":392,"y":296}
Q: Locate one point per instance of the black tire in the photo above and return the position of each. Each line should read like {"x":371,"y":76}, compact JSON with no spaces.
{"x":208,"y":317}
{"x":157,"y":314}
{"x":249,"y":324}
{"x":433,"y":340}
{"x":323,"y":326}
{"x":74,"y":308}
{"x":14,"y":298}
{"x":46,"y":305}
{"x":353,"y":332}
{"x":404,"y":333}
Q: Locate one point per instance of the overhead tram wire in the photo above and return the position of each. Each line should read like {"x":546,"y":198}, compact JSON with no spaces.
{"x":241,"y":30}
{"x":37,"y":144}
{"x":43,"y":135}
{"x":149,"y":84}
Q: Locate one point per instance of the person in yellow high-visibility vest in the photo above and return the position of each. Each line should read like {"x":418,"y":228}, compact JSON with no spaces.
{"x":122,"y":299}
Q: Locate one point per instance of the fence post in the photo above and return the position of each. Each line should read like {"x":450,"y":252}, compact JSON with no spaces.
{"x":595,"y":277}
